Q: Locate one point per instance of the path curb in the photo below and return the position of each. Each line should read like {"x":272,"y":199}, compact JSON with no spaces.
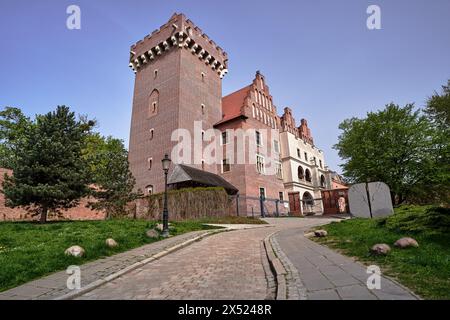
{"x":97,"y":283}
{"x":277,"y":268}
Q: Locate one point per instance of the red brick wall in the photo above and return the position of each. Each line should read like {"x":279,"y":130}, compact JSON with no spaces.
{"x":17,"y":214}
{"x":181,"y":94}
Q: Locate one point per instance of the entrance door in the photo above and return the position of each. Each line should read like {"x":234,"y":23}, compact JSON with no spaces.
{"x":294,"y":203}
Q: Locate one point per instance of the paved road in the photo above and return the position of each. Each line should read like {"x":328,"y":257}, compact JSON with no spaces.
{"x":321,"y":273}
{"x":229,"y":265}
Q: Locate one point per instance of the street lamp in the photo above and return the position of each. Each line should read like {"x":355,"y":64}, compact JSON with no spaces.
{"x":165,"y":165}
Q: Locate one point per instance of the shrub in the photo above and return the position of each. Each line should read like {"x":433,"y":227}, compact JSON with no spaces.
{"x":415,"y":219}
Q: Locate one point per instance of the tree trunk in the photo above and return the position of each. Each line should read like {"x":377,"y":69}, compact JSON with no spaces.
{"x":44,"y":214}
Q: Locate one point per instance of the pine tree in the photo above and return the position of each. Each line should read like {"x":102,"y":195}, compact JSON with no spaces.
{"x":49,"y":173}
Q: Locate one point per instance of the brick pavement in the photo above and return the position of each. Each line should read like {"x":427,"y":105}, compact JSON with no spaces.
{"x":54,"y":285}
{"x":224,"y":266}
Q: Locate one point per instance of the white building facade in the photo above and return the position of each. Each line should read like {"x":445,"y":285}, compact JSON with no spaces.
{"x":305,"y":173}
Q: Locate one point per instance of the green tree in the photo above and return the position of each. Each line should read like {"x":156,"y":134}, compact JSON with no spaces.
{"x":48,"y":170}
{"x":393,"y":145}
{"x":13,"y":126}
{"x":438,"y":111}
{"x":108,"y":167}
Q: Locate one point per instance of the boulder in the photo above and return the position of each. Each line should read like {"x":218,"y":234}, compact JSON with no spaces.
{"x":152,"y":233}
{"x":309,"y":235}
{"x":406,"y":243}
{"x":320,"y":233}
{"x":75,"y":251}
{"x":380,"y":249}
{"x":111,"y":243}
{"x":159,"y":226}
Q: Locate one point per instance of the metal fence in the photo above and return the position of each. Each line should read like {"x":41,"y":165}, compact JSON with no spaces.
{"x":258,"y":206}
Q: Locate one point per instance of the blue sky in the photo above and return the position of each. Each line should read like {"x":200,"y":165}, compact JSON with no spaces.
{"x":318,"y":57}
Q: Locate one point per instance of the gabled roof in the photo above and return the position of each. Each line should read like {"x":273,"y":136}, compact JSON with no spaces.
{"x":183,"y":173}
{"x":232,"y":104}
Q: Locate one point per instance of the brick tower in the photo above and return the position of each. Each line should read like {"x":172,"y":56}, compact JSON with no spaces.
{"x":178,"y":81}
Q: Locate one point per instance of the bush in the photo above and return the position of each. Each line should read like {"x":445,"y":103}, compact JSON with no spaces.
{"x":415,"y":219}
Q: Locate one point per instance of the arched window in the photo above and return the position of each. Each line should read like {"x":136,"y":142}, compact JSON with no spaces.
{"x":308,"y":175}
{"x":300,"y":173}
{"x":153,"y":103}
{"x":149,"y":189}
{"x":150,"y":163}
{"x":322,"y":181}
{"x":152,"y":133}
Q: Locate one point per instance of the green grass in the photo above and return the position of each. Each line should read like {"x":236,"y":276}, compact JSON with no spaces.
{"x":29,"y":250}
{"x":425,"y":270}
{"x":232,"y":220}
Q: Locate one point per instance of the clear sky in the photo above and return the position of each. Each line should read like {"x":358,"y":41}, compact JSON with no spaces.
{"x":318,"y":57}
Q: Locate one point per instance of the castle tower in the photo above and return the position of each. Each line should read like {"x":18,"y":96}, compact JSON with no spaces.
{"x":178,"y":80}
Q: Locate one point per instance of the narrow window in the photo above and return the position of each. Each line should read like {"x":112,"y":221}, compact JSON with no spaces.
{"x":203,"y":164}
{"x":154,"y":107}
{"x":203,"y":135}
{"x":203,"y":108}
{"x":306,"y":156}
{"x":224,"y":137}
{"x":203,"y":77}
{"x":320,"y":163}
{"x":150,"y":163}
{"x":226,"y":165}
{"x":262,"y":193}
{"x":298,"y":153}
{"x":279,"y":172}
{"x":155,"y":73}
{"x":281,"y":196}
{"x":151,"y":133}
{"x":149,"y":189}
{"x":258,"y":139}
{"x":253,"y":110}
{"x":276,"y":146}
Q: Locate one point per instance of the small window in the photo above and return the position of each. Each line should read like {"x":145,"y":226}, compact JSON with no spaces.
{"x":203,"y":164}
{"x":150,"y":163}
{"x":258,"y":139}
{"x":224,"y":137}
{"x":276,"y":146}
{"x":149,"y":189}
{"x":320,"y":163}
{"x":279,"y":170}
{"x":203,"y":76}
{"x":260,"y":167}
{"x":154,"y":105}
{"x":203,"y":108}
{"x":306,"y":156}
{"x":226,"y":165}
{"x":155,"y":73}
{"x":281,"y":196}
{"x":298,"y":153}
{"x":262,"y":193}
{"x":203,"y":135}
{"x":151,"y":133}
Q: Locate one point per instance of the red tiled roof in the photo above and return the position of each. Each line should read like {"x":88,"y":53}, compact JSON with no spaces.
{"x":232,"y":104}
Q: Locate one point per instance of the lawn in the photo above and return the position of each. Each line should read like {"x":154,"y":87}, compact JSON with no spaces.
{"x":30,"y":250}
{"x":425,"y":270}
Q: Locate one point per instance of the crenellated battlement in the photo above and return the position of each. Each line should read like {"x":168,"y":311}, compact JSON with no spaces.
{"x":178,"y":33}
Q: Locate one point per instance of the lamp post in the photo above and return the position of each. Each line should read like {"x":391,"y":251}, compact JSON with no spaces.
{"x":165,"y":165}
